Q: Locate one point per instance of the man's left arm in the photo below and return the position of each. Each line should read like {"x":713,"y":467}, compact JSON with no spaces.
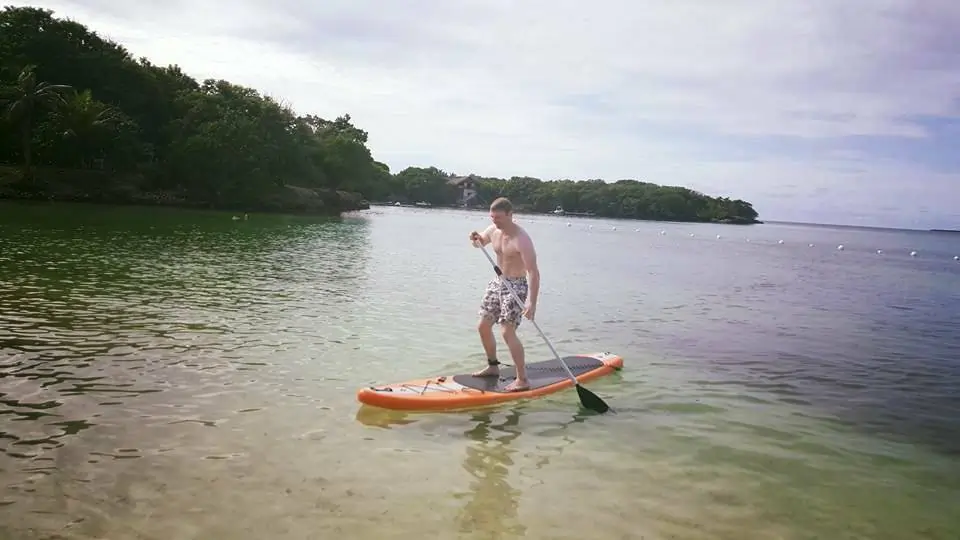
{"x":529,"y":256}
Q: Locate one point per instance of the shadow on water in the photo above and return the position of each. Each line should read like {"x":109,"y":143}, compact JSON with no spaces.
{"x":101,"y":306}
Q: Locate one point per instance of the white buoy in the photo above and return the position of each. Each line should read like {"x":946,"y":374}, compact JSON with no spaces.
{"x":779,"y":241}
{"x":913,"y":253}
{"x":811,"y":245}
{"x":879,"y":252}
{"x":614,"y":228}
{"x":691,"y":235}
{"x":840,"y":247}
{"x":637,"y":230}
{"x":748,"y":239}
{"x":568,"y":224}
{"x":718,"y":237}
{"x":956,"y":257}
{"x":662,"y":233}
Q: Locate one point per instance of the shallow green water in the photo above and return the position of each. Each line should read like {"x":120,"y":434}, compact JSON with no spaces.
{"x":180,"y":374}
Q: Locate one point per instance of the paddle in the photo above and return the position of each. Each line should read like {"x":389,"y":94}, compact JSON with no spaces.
{"x":587,"y":398}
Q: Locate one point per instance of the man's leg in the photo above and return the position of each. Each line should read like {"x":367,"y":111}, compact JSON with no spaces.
{"x":511,"y":316}
{"x":485,"y":329}
{"x":489,"y":313}
{"x":517,"y":353}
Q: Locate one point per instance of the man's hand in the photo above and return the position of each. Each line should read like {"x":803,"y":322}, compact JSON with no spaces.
{"x":476,"y":239}
{"x":530,"y":310}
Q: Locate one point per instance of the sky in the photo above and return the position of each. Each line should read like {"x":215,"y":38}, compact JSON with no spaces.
{"x":825,"y":111}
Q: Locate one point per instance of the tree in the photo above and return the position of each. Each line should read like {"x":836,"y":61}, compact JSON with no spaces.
{"x":118,"y":128}
{"x":22,"y":102}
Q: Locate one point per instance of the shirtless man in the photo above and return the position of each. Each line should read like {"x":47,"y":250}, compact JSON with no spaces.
{"x":517,"y":260}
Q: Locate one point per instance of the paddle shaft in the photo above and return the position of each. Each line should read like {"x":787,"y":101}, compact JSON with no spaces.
{"x":516,"y":297}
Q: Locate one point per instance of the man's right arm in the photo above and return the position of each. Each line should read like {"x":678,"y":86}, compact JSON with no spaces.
{"x":486,"y":236}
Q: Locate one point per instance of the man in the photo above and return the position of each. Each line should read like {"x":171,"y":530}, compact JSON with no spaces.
{"x":517,"y":260}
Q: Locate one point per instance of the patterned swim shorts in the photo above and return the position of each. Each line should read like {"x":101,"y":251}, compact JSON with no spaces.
{"x":498,"y":304}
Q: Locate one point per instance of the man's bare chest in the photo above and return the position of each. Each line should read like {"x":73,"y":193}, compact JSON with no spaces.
{"x":506,"y":246}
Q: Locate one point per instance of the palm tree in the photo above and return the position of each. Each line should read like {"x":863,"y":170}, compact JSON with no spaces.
{"x":82,"y":119}
{"x":22,"y":101}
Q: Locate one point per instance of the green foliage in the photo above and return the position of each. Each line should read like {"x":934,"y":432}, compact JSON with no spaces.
{"x":621,"y":199}
{"x":82,"y":117}
{"x":77,"y":102}
{"x":629,"y":199}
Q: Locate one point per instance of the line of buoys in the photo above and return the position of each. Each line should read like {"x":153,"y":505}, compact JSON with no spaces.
{"x":663,"y":232}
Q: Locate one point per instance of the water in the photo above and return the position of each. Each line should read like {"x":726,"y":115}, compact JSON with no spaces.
{"x":180,"y":374}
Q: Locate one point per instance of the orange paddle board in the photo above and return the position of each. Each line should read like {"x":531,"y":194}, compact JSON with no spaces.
{"x":464,"y":391}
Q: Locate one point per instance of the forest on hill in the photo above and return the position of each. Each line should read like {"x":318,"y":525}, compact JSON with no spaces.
{"x":81,"y":119}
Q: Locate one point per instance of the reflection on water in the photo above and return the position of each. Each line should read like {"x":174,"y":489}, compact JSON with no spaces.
{"x":490,"y":499}
{"x":491,"y":504}
{"x":490,"y":507}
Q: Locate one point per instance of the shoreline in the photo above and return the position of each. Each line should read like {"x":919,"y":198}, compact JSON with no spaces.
{"x":288,"y":199}
{"x":584,"y":215}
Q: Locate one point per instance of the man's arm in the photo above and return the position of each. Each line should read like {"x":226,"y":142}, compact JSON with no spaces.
{"x":487,"y":235}
{"x":529,"y":256}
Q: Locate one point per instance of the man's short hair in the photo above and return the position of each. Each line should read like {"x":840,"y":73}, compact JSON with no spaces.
{"x":501,"y":204}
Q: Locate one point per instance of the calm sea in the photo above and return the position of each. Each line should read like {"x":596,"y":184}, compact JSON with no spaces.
{"x":178,"y":374}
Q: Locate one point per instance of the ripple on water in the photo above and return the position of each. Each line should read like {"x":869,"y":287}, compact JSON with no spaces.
{"x":157,"y":365}
{"x":100,"y":320}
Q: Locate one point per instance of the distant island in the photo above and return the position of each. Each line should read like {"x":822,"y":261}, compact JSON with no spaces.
{"x":82,"y":120}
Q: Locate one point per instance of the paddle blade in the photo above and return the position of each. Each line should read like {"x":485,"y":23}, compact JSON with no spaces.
{"x":591,"y":401}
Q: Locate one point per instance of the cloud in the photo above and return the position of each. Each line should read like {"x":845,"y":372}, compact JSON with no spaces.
{"x":850,"y":106}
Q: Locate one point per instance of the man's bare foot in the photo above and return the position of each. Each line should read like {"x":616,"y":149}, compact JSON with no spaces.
{"x":489,"y":371}
{"x":517,"y":386}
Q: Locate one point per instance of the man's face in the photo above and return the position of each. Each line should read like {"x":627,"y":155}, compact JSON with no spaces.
{"x":499,"y":218}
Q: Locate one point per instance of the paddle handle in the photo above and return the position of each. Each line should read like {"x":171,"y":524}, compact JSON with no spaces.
{"x":516,"y":297}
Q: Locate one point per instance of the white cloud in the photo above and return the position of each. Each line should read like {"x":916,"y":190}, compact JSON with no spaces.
{"x":608,"y":89}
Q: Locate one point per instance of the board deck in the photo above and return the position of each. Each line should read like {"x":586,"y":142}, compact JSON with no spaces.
{"x":463,"y":390}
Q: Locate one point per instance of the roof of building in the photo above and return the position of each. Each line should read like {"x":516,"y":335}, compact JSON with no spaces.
{"x":459,"y":180}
